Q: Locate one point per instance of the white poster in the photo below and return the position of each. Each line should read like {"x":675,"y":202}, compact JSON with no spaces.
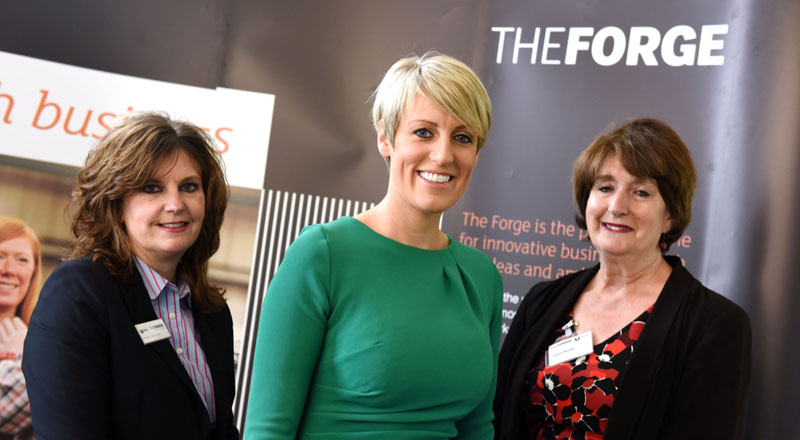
{"x":54,"y":112}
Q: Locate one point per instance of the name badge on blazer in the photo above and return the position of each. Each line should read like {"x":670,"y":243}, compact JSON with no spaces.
{"x":570,"y":348}
{"x":152,"y":331}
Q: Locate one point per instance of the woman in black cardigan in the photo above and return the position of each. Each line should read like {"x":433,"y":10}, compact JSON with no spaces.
{"x":635,"y":347}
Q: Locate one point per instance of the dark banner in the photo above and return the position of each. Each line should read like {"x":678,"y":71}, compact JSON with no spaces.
{"x":557,"y":79}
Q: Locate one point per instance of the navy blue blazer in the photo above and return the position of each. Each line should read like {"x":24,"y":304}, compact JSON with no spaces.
{"x":89,"y":376}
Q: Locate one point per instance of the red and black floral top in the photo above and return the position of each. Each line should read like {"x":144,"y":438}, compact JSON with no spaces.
{"x":573,"y":400}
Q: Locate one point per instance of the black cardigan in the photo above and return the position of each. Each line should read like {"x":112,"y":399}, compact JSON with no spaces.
{"x":688,"y":377}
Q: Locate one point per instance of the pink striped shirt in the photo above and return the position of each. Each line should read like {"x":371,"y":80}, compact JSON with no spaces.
{"x":173,"y":305}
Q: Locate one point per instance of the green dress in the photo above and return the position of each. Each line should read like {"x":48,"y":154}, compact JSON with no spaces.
{"x":362,"y":337}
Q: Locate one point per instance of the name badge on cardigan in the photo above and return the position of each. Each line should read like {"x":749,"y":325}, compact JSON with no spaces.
{"x":152,"y":331}
{"x":570,"y":348}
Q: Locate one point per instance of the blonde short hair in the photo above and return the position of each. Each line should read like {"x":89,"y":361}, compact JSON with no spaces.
{"x":446,"y":80}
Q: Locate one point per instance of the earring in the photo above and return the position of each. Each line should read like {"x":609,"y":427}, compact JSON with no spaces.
{"x":662,"y":243}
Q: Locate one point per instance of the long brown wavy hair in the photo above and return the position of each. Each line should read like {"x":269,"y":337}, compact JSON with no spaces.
{"x":125,"y":160}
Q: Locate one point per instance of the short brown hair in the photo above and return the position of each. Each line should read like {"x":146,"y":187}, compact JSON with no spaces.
{"x":647,"y":148}
{"x":123,"y":161}
{"x":10,"y":228}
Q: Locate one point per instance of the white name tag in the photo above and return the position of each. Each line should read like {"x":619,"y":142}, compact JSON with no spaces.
{"x":570,"y":348}
{"x":152,"y":331}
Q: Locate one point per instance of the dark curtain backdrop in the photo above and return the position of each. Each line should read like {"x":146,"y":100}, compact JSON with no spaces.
{"x":322,"y":59}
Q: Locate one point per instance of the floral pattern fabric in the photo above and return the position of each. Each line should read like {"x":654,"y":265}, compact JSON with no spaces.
{"x":573,"y":400}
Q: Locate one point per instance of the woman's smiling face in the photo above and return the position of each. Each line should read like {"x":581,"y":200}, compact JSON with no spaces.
{"x":17,"y":265}
{"x":625,"y":214}
{"x":164,"y":217}
{"x":432,"y":158}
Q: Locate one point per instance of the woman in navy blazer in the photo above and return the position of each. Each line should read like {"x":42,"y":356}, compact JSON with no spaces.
{"x":129,"y":339}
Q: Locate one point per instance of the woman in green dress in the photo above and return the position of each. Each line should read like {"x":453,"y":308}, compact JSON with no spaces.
{"x":381,"y":325}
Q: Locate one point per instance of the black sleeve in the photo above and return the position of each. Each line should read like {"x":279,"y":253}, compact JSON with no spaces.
{"x":711,"y":396}
{"x":66,"y":359}
{"x":506,"y":369}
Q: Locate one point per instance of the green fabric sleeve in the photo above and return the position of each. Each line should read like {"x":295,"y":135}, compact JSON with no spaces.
{"x":290,"y":335}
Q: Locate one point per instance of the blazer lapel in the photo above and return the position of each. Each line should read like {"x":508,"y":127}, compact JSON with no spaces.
{"x":636,"y":384}
{"x":141,"y":310}
{"x":216,"y":337}
{"x":551,"y":316}
{"x":546,"y":317}
{"x":213,"y":349}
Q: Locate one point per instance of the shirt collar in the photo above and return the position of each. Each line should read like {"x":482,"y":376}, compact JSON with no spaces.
{"x":154,"y":283}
